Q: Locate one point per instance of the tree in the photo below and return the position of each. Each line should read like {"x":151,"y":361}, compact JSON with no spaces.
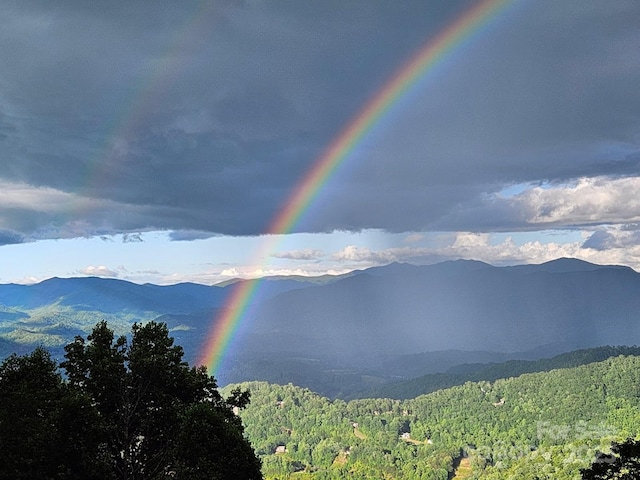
{"x":623,"y":463}
{"x":47,"y":430}
{"x":154,"y":408}
{"x":210,"y":446}
{"x":129,"y":409}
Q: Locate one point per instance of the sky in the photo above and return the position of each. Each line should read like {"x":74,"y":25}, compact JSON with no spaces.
{"x":157,"y":141}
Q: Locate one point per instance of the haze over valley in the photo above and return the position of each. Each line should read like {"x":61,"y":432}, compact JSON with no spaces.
{"x":342,"y":334}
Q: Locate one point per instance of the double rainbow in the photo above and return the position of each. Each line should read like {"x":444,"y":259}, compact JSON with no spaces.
{"x":436,"y":49}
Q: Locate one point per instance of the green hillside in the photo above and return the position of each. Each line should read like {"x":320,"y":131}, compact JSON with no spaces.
{"x":54,"y":325}
{"x":460,"y":374}
{"x":542,"y":425}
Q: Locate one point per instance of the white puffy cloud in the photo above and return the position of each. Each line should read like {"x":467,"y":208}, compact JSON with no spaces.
{"x":597,"y":200}
{"x":99,"y":271}
{"x":352,"y":253}
{"x":620,"y":246}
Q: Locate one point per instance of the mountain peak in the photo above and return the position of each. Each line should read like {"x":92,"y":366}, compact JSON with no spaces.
{"x":567,"y":264}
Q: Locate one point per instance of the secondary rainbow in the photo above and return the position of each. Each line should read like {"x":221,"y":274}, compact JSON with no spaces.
{"x":149,"y":90}
{"x":338,"y":150}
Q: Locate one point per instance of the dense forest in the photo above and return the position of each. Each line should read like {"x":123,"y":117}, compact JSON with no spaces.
{"x":460,"y":374}
{"x":130,"y":407}
{"x":536,"y":426}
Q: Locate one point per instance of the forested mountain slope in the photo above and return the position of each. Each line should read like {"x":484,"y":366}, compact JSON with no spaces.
{"x":461,"y":374}
{"x":52,"y":312}
{"x":541,"y":425}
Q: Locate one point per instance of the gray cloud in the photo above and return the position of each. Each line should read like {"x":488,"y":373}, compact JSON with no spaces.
{"x":189,"y":235}
{"x":202,"y":118}
{"x":306,"y":254}
{"x":600,"y":240}
{"x":627,"y":237}
{"x":9,"y":237}
{"x":132,"y":238}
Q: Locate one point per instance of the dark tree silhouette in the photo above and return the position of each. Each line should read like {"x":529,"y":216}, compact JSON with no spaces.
{"x":623,"y":463}
{"x":47,"y":430}
{"x":129,"y":409}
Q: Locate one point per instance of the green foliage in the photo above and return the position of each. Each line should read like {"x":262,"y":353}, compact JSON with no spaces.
{"x":132,"y":408}
{"x":128,"y":410}
{"x":542,"y":425}
{"x":50,"y":325}
{"x":491,"y":372}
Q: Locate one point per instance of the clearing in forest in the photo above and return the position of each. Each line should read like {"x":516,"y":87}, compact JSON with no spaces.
{"x":463,"y":471}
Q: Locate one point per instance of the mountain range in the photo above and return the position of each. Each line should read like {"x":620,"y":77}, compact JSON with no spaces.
{"x":345,"y":333}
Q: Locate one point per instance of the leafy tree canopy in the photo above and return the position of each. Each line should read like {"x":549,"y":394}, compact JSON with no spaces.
{"x":128,"y":409}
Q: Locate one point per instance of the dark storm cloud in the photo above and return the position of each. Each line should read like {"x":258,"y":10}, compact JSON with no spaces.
{"x":202,"y":117}
{"x":188,"y":235}
{"x":9,"y":237}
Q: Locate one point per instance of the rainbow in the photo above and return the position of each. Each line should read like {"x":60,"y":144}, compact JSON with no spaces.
{"x":339,"y":149}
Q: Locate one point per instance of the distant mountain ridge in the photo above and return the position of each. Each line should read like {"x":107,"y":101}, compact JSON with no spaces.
{"x":462,"y":305}
{"x":460,"y":374}
{"x":105,"y":294}
{"x":350,"y":332}
{"x":53,"y":311}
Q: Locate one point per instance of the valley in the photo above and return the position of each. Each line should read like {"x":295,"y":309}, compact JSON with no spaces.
{"x":358,"y":334}
{"x":447,"y":371}
{"x":543,"y":425}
